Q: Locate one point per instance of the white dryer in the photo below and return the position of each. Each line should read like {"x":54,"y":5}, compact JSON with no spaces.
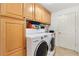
{"x":51,"y":50}
{"x":37,"y":44}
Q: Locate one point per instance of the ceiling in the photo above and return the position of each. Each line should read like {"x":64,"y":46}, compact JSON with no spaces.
{"x":54,"y":7}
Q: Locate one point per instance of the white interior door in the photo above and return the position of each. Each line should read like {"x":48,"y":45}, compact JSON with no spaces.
{"x":66,"y":30}
{"x":77,"y":31}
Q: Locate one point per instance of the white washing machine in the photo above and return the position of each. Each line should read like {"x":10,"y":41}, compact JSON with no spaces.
{"x":37,"y":44}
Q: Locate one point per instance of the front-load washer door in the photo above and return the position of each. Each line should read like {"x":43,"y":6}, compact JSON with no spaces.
{"x":42,"y":49}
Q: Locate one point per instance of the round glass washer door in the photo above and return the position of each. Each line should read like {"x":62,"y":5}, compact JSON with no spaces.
{"x":42,"y":49}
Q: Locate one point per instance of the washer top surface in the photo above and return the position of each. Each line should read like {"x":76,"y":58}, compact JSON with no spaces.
{"x":37,"y":35}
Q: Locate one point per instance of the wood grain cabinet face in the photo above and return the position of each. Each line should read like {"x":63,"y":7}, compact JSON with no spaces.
{"x":18,"y":53}
{"x":44,"y":16}
{"x":41,"y":14}
{"x":13,"y":33}
{"x":38,"y":13}
{"x":29,"y":11}
{"x":47,"y":17}
{"x":12,"y":9}
{"x":13,"y":36}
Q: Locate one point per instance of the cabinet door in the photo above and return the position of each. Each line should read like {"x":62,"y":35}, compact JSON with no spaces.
{"x":41,"y":14}
{"x":47,"y":17}
{"x":38,"y":12}
{"x":12,"y":9}
{"x":13,"y":33}
{"x":29,"y":11}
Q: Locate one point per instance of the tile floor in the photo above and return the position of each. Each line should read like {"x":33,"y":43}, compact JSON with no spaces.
{"x":65,"y":52}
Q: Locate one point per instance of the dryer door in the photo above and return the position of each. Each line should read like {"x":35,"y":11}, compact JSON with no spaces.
{"x":42,"y":49}
{"x":52,"y":42}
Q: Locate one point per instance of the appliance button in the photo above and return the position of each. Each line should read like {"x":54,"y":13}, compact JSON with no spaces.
{"x":45,"y":36}
{"x":41,"y":37}
{"x":35,"y":41}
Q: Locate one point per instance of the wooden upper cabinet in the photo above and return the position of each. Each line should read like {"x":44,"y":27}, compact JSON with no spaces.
{"x":41,"y":14}
{"x":47,"y":17}
{"x":29,"y":11}
{"x":38,"y":13}
{"x":12,"y":9}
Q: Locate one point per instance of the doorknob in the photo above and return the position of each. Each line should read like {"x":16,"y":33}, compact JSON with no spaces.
{"x":59,"y":32}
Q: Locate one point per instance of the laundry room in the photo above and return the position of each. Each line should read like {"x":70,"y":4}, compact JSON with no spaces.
{"x":63,"y":29}
{"x":39,"y":29}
